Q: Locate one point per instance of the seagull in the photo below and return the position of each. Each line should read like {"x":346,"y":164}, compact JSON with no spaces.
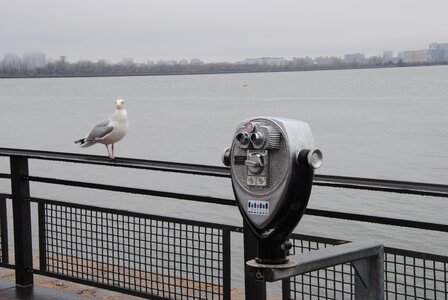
{"x":108,"y":132}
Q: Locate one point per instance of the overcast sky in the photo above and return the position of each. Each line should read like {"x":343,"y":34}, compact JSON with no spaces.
{"x":218,"y":30}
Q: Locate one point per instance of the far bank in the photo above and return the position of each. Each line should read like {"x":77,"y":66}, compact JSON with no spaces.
{"x":210,"y":69}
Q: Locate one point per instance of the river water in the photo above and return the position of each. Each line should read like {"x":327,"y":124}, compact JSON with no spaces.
{"x":378,"y":123}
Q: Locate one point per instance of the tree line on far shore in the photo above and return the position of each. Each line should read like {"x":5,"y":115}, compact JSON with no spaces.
{"x":63,"y":68}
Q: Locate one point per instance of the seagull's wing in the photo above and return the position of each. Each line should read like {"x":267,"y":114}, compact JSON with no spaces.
{"x":100,"y":131}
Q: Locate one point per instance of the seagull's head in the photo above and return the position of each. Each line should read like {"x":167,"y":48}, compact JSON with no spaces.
{"x":119,"y":104}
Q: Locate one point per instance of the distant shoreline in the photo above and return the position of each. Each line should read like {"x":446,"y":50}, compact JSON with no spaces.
{"x":218,"y":72}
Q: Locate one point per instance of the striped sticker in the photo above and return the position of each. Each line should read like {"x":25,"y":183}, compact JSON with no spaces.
{"x":255,"y":207}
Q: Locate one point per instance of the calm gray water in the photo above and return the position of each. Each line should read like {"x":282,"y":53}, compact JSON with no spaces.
{"x":379,"y":123}
{"x":384,"y":123}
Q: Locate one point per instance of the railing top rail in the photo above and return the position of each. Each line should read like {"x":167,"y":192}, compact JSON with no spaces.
{"x":119,"y":162}
{"x":392,"y":186}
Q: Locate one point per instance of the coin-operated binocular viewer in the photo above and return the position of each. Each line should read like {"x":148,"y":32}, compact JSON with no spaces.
{"x":272,"y":162}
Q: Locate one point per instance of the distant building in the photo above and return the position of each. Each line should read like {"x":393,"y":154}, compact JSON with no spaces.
{"x":438,"y":52}
{"x":271,"y":61}
{"x":374,"y":60}
{"x":415,"y":56}
{"x":388,"y":57}
{"x":327,"y":61}
{"x":168,"y":62}
{"x":11,"y":62}
{"x":302,"y":61}
{"x":34,"y":60}
{"x":354,"y":59}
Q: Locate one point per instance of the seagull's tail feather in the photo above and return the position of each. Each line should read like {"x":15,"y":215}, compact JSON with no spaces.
{"x":84,"y":143}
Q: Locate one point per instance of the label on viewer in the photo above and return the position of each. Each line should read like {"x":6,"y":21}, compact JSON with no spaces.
{"x":255,"y":207}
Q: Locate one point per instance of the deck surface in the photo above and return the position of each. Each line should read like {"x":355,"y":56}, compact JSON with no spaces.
{"x":8,"y":290}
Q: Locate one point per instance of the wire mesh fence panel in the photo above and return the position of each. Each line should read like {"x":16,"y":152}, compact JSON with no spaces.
{"x":155,"y":256}
{"x":337,"y":282}
{"x":415,"y":276}
{"x":407,"y":274}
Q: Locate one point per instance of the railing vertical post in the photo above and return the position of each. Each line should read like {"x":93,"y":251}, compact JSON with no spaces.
{"x":255,"y":290}
{"x":42,"y":237}
{"x":369,"y":277}
{"x":226,"y":264}
{"x":22,"y":220}
{"x":286,"y":289}
{"x":4,"y":231}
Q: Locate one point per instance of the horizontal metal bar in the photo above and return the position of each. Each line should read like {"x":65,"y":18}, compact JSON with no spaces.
{"x":390,"y":186}
{"x":137,"y":214}
{"x":6,"y":196}
{"x":317,"y":239}
{"x":232,"y":202}
{"x":314,"y":260}
{"x":322,"y":180}
{"x":6,"y":176}
{"x":416,"y":254}
{"x":105,"y":187}
{"x":387,"y":250}
{"x":378,"y":220}
{"x":8,"y":266}
{"x":120,"y":162}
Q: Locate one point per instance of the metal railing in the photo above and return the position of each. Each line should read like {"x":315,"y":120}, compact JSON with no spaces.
{"x":407,"y":274}
{"x":135,"y":253}
{"x":167,"y":258}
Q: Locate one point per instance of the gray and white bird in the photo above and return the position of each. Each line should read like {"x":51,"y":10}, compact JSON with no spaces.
{"x":108,"y":132}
